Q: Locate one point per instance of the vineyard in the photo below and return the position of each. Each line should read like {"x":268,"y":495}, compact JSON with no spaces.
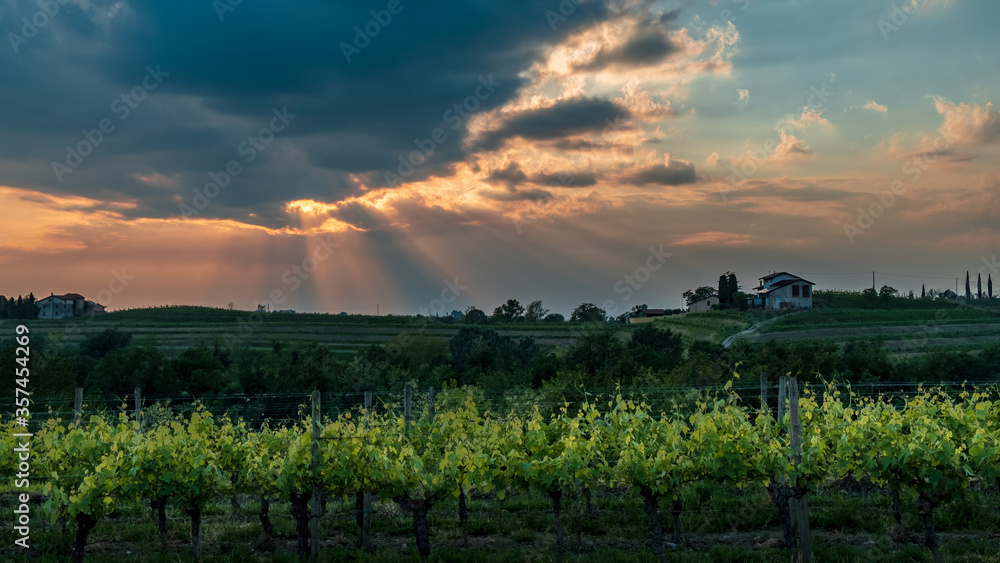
{"x":932,"y":446}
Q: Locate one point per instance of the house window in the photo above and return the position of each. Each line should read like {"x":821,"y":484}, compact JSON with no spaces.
{"x":795,"y":291}
{"x":805,"y":291}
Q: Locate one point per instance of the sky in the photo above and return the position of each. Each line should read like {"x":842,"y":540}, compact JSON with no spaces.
{"x":403,"y":156}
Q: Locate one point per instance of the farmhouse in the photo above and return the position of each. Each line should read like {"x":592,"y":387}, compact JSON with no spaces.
{"x":782,"y":290}
{"x":703,"y":305}
{"x":68,"y":305}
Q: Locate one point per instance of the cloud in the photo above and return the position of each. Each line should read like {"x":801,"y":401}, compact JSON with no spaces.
{"x":672,"y":173}
{"x":968,"y":123}
{"x":873,"y":106}
{"x":713,"y":159}
{"x":356,"y":118}
{"x":516,"y":195}
{"x":647,"y":48}
{"x":744,"y":98}
{"x":809,"y":118}
{"x":566,"y":179}
{"x":913,"y":5}
{"x":962,"y":125}
{"x":562,"y":119}
{"x":791,"y":149}
{"x":715,"y":238}
{"x":801,"y":194}
{"x":512,"y":176}
{"x":928,"y":149}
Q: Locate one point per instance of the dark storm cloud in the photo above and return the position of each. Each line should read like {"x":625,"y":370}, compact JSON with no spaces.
{"x":224,"y":78}
{"x":566,"y":179}
{"x":674,"y":175}
{"x":512,"y":176}
{"x":516,"y":195}
{"x":649,"y":46}
{"x":567,"y":117}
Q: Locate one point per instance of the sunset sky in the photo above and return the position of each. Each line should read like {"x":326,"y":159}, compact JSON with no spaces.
{"x":348,"y":154}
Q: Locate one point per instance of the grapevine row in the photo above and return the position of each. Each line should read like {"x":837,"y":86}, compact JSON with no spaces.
{"x":932,"y":444}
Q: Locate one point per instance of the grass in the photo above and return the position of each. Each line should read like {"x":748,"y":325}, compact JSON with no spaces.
{"x":713,"y":326}
{"x":718,"y":523}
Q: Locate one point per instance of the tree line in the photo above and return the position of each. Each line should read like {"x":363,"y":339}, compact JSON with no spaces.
{"x":20,"y":308}
{"x":114,"y":363}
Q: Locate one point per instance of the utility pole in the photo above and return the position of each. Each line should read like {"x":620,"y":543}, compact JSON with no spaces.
{"x":873,"y":280}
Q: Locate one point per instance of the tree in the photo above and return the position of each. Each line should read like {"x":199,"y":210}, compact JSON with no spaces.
{"x":554,"y":318}
{"x":734,"y":288}
{"x":509,"y":312}
{"x":588,"y":312}
{"x":595,"y":352}
{"x":101,"y":344}
{"x":703,"y":292}
{"x":478,"y":349}
{"x":870,"y":295}
{"x":656,"y":348}
{"x":724,"y":289}
{"x":968,"y":290}
{"x":989,"y":286}
{"x":923,"y":291}
{"x":979,"y":286}
{"x":474,"y":316}
{"x":535,"y":312}
{"x":886,"y":293}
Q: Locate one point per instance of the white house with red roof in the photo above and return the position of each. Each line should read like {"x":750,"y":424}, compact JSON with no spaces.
{"x":66,"y":305}
{"x":782,"y":290}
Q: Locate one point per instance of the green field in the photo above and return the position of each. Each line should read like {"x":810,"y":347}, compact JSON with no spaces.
{"x":902,"y":330}
{"x":175,"y":329}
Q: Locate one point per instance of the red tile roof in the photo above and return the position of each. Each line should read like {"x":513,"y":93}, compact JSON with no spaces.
{"x":66,"y":297}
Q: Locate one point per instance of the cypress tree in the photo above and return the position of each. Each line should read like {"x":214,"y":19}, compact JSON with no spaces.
{"x":723,"y":289}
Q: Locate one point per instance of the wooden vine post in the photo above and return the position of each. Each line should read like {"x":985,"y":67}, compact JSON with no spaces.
{"x":366,"y":507}
{"x":316,"y":433}
{"x":799,"y":503}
